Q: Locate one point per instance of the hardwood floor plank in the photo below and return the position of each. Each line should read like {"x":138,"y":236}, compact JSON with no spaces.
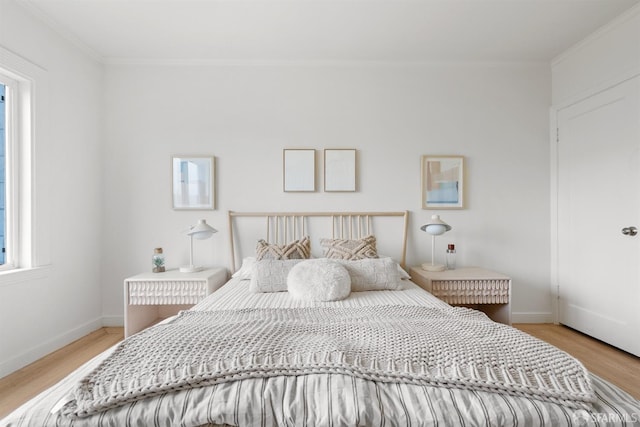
{"x":608,"y":362}
{"x":22,"y":385}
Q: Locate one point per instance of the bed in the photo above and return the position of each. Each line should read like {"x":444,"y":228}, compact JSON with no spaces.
{"x":334,"y":387}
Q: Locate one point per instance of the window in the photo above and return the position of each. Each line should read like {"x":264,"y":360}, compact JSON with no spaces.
{"x":3,"y":139}
{"x":25,"y":248}
{"x":8,"y":217}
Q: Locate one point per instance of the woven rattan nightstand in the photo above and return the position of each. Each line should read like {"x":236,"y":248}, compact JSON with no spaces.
{"x":473,"y":287}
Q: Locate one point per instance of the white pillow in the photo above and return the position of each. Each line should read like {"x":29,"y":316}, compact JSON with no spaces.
{"x":402,"y":271}
{"x":244,"y":273}
{"x":319,"y":280}
{"x":270,"y":275}
{"x":373,"y":274}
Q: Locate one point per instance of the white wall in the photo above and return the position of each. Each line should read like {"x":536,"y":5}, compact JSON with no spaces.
{"x":607,"y":57}
{"x":61,"y":302}
{"x":494,"y":114}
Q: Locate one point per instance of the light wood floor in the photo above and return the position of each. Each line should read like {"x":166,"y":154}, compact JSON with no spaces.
{"x":614,"y":365}
{"x":22,"y":385}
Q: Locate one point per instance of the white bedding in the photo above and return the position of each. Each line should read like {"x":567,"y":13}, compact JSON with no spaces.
{"x":236,"y":294}
{"x":326,"y":399}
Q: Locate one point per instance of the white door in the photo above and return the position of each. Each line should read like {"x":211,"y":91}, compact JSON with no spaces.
{"x":598,"y":203}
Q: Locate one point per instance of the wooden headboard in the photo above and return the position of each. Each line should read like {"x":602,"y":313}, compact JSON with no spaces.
{"x":390,"y":229}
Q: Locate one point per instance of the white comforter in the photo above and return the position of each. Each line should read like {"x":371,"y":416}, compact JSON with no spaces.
{"x":325,"y":399}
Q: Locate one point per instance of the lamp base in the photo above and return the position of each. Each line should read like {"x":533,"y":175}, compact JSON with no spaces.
{"x":190,"y":269}
{"x":433,"y":267}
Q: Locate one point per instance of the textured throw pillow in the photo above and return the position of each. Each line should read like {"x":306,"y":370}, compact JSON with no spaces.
{"x":270,"y":275}
{"x":350,"y":249}
{"x":298,"y":249}
{"x":319,"y":280}
{"x":373,"y":274}
{"x":403,"y":273}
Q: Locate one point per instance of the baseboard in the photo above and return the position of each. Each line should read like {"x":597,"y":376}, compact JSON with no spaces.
{"x":113,"y":321}
{"x":47,"y":347}
{"x":531,"y":317}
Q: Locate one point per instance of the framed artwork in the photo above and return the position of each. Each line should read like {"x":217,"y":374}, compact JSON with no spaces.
{"x":442,"y":182}
{"x":193,"y":182}
{"x":340,"y":169}
{"x":299,"y":169}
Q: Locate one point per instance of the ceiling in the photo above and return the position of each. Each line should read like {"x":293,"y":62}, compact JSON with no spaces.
{"x":326,"y":30}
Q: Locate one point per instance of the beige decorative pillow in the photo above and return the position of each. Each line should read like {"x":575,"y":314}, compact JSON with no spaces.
{"x":350,"y":249}
{"x":298,"y":249}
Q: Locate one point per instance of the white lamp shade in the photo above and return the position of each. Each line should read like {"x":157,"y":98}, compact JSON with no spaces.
{"x":435,"y":229}
{"x":202,"y":230}
{"x":436,"y":226}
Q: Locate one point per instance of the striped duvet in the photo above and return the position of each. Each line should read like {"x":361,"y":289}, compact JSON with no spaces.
{"x":327,"y":399}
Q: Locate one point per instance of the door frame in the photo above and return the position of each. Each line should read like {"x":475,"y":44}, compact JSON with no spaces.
{"x":553,"y":206}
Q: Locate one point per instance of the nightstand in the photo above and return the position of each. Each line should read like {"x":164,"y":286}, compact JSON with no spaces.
{"x":151,"y":297}
{"x":472,"y":287}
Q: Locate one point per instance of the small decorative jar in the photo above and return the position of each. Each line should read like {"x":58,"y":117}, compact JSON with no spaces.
{"x":158,"y":260}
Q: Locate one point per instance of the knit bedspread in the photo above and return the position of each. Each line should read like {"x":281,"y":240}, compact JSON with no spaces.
{"x":453,"y":347}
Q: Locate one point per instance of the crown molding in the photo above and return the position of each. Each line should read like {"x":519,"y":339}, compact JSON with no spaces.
{"x":600,"y":32}
{"x":209,"y":62}
{"x":59,"y":29}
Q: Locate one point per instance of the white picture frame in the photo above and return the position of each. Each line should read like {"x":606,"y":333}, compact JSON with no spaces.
{"x":340,"y":170}
{"x":298,"y":170}
{"x":193,"y":182}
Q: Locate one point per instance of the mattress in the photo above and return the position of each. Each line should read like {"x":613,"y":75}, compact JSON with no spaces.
{"x":325,"y":399}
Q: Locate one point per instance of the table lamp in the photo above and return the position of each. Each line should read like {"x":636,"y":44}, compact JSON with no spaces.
{"x":200,"y":231}
{"x":435,"y":227}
